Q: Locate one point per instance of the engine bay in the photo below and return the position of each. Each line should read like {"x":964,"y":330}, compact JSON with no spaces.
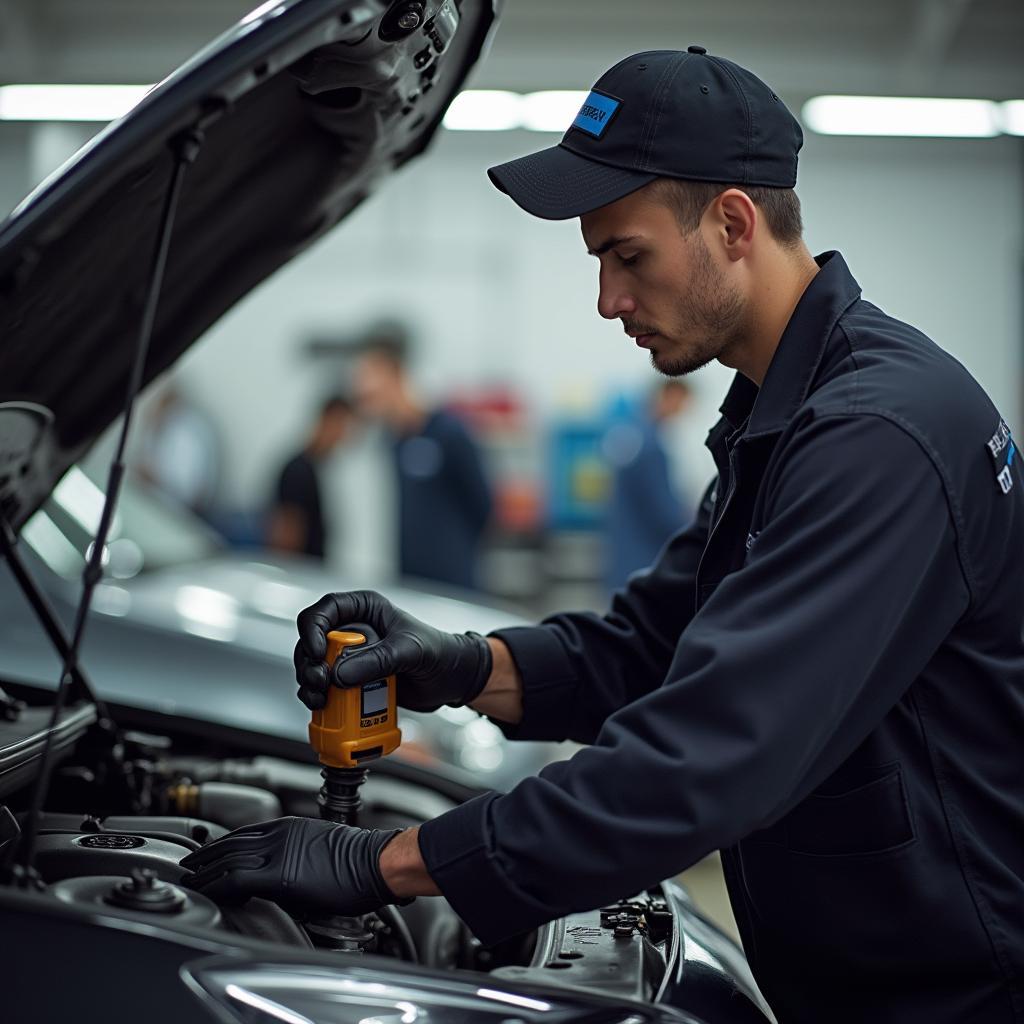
{"x":125,"y":806}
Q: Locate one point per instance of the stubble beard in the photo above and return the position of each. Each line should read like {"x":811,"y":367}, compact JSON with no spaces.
{"x":710,"y":319}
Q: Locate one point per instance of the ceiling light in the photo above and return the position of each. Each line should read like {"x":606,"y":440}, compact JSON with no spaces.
{"x":492,"y":110}
{"x":1013,"y":117}
{"x":552,"y":110}
{"x":902,"y":116}
{"x":484,"y":110}
{"x":68,"y":102}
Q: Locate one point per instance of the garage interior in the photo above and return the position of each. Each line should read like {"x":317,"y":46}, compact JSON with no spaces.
{"x":500,"y":309}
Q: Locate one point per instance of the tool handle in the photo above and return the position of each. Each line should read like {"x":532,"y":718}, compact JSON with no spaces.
{"x":356,"y":725}
{"x":339,"y":640}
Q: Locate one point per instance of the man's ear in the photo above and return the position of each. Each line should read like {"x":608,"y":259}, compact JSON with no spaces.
{"x":737,"y":218}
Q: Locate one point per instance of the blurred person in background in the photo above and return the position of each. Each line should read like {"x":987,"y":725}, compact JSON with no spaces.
{"x":297,"y":522}
{"x":179,"y":451}
{"x":444,"y":499}
{"x":644,"y":510}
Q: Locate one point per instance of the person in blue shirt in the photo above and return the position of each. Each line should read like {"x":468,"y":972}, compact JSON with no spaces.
{"x":444,"y":499}
{"x":644,"y":509}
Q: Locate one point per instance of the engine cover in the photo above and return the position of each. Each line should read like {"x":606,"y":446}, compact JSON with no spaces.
{"x":68,"y":855}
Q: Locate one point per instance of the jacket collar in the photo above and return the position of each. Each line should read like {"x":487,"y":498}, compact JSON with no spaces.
{"x":788,"y":381}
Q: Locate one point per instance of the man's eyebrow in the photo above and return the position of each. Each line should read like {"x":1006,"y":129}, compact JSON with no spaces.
{"x":611,"y":243}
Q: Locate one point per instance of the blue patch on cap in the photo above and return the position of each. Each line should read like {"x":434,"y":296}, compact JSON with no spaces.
{"x":596,"y":114}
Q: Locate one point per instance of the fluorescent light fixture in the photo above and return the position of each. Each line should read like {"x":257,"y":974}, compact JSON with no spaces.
{"x":902,"y":116}
{"x":68,"y":102}
{"x":552,"y":110}
{"x":493,"y":110}
{"x":1013,"y":117}
{"x":484,"y":110}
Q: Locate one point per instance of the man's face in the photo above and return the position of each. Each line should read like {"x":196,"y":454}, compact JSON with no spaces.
{"x":337,"y":425}
{"x":375,"y":385}
{"x":670,"y":290}
{"x":673,"y":400}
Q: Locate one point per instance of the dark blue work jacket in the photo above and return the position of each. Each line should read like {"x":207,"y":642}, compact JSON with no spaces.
{"x":823,"y":677}
{"x":444,"y":502}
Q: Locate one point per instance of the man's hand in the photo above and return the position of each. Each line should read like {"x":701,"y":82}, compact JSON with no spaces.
{"x":433,"y":667}
{"x":307,"y":865}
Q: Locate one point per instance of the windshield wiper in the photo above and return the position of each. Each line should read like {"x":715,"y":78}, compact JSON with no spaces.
{"x":185,"y":149}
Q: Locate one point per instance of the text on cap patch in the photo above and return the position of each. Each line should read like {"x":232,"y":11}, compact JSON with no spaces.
{"x":596,"y":114}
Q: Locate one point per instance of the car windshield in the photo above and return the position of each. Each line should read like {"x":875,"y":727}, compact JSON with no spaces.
{"x":148,"y":532}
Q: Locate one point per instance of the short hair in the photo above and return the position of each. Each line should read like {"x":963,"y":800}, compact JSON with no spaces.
{"x":689,"y":199}
{"x":336,"y":404}
{"x":388,"y":341}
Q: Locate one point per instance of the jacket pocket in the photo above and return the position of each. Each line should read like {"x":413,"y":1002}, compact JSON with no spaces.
{"x":873,"y":817}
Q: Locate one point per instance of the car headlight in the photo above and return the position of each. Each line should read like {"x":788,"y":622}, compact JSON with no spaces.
{"x":282,"y":993}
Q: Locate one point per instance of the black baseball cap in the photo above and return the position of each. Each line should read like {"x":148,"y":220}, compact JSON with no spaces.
{"x":659,"y":114}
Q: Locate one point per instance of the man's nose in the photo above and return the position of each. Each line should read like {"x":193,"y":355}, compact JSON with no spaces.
{"x":614,"y":301}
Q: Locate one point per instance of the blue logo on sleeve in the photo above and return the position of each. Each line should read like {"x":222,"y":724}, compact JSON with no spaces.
{"x":596,"y":114}
{"x":1002,"y":449}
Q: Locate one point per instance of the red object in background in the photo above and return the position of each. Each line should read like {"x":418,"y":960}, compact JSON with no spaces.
{"x":494,"y":409}
{"x":517,"y":506}
{"x":498,"y":419}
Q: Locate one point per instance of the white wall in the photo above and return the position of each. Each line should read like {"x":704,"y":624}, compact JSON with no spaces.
{"x":932,"y":230}
{"x":495,"y":296}
{"x":14,"y":174}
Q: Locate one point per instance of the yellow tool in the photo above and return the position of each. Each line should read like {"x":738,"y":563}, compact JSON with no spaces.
{"x":358,"y":725}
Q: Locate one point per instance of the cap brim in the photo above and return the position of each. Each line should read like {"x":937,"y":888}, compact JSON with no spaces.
{"x":557,"y":184}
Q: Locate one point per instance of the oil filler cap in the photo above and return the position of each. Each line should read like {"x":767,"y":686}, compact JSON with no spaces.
{"x":107,"y":841}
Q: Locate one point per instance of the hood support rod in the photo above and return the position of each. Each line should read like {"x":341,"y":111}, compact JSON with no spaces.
{"x":47,"y":617}
{"x":185,"y":148}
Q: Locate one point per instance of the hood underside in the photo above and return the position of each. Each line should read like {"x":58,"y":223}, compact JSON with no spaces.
{"x":301,"y":109}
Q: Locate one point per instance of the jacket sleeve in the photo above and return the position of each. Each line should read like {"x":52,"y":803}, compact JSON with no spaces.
{"x":852,"y":585}
{"x":578,"y":668}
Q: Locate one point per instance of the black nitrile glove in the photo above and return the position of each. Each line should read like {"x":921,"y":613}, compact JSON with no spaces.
{"x":433,"y":668}
{"x":309,"y":866}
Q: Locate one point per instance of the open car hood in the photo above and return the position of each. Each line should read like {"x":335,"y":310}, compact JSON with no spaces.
{"x":301,"y":109}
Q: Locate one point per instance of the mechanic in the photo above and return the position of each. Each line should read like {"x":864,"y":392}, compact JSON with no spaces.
{"x":822,"y":676}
